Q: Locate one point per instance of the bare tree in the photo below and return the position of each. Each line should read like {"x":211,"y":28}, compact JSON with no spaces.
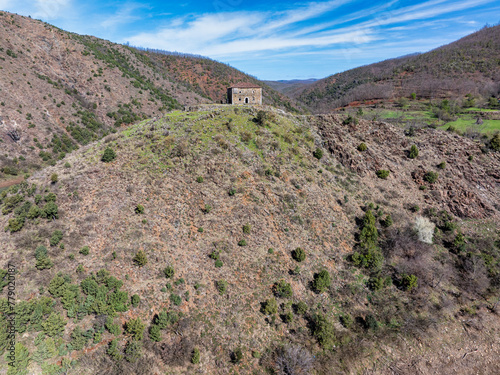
{"x":294,"y":360}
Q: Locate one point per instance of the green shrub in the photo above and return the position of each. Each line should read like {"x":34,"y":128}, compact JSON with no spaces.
{"x":270,"y":250}
{"x":112,"y":328}
{"x":231,"y":192}
{"x":301,"y":308}
{"x":242,"y":242}
{"x":169,"y":272}
{"x":207,"y":209}
{"x":155,"y":333}
{"x":113,"y":351}
{"x":237,"y":356}
{"x":270,"y":307}
{"x":495,"y":142}
{"x":387,"y":221}
{"x":431,"y":177}
{"x":218,"y":263}
{"x":371,"y":322}
{"x":222,"y":286}
{"x":109,"y":155}
{"x":57,"y":236}
{"x":318,"y":153}
{"x":54,"y":325}
{"x":135,"y":300}
{"x":175,"y":299}
{"x":322,"y":281}
{"x":44,"y":263}
{"x":84,"y":250}
{"x":350,"y":120}
{"x":247,"y":228}
{"x":140,"y":258}
{"x":135,"y":328}
{"x":362,"y":147}
{"x":139,"y":209}
{"x":195,"y":358}
{"x":324,"y":331}
{"x":50,"y":211}
{"x":382,"y":173}
{"x":408,"y":282}
{"x":78,"y":339}
{"x":50,"y":197}
{"x":40,"y":252}
{"x":54,"y":178}
{"x":346,"y":320}
{"x":282,"y":289}
{"x":377,"y":282}
{"x":34,"y":212}
{"x":442,"y":165}
{"x":15,"y":225}
{"x":199,"y":179}
{"x":413,"y":153}
{"x":215,"y":254}
{"x":132,"y":351}
{"x":299,"y":254}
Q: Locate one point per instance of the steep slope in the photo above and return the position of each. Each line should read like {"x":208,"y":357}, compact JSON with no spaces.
{"x":61,"y":90}
{"x":201,"y":215}
{"x":470,"y":65}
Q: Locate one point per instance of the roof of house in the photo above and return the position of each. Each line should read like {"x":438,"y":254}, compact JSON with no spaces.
{"x":245,"y":85}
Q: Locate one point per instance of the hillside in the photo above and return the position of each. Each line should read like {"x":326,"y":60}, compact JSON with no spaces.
{"x":470,"y":65}
{"x":244,"y":241}
{"x":62,"y":90}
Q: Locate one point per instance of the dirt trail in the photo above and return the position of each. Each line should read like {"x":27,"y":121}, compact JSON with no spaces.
{"x":4,"y":184}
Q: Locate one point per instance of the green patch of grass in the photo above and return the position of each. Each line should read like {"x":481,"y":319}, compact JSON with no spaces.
{"x":467,"y":121}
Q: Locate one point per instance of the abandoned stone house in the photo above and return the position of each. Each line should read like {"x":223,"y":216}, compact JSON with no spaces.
{"x":244,"y":93}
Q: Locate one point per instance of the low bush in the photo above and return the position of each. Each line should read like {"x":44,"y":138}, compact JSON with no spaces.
{"x":85,"y":250}
{"x":362,"y":147}
{"x":299,"y":254}
{"x":382,"y":173}
{"x":270,"y":307}
{"x":318,"y":153}
{"x":168,"y":272}
{"x":413,"y":153}
{"x":222,"y":286}
{"x":57,"y":236}
{"x":431,"y":177}
{"x":108,"y":155}
{"x":282,"y":289}
{"x":140,"y":258}
{"x":322,"y":281}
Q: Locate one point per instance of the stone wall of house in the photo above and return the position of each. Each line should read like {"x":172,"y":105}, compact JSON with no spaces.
{"x":251,"y":95}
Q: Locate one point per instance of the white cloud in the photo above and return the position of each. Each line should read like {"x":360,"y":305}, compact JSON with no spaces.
{"x":50,"y":9}
{"x":125,"y":14}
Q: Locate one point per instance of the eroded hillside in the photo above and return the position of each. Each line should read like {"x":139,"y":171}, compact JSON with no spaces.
{"x":198,"y":217}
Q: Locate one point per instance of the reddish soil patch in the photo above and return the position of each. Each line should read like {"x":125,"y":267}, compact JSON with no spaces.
{"x":4,"y":184}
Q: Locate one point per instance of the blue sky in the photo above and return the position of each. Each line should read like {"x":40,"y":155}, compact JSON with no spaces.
{"x":272,"y":40}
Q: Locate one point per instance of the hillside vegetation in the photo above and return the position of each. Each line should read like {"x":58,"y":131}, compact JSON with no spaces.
{"x":233,"y":240}
{"x":470,"y":65}
{"x":62,"y":90}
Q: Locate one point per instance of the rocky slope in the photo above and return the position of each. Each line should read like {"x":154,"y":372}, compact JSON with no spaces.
{"x":209,"y":193}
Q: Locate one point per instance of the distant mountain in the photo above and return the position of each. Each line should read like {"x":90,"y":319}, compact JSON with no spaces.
{"x":289,"y":86}
{"x":61,"y":90}
{"x":469,"y":65}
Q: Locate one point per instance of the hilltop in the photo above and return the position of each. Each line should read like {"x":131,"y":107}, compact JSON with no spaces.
{"x":250,"y":241}
{"x":62,"y":90}
{"x":467,"y":66}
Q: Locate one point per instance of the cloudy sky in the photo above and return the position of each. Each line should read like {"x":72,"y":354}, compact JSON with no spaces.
{"x":272,"y":40}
